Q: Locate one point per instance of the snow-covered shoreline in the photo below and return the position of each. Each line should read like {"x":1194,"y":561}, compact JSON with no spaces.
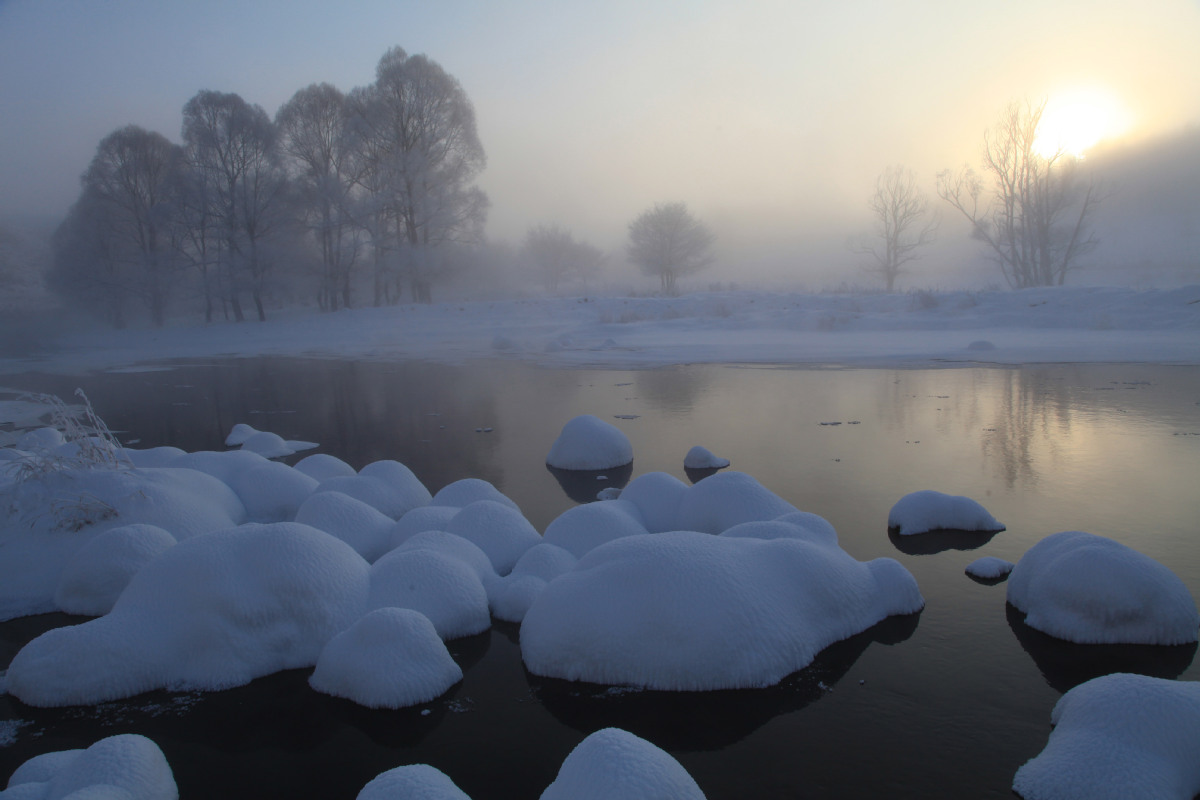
{"x":1057,"y":325}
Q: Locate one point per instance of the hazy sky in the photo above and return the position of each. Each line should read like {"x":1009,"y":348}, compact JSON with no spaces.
{"x":770,"y":119}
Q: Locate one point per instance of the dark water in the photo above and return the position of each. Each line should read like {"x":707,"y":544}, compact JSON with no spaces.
{"x":947,"y":703}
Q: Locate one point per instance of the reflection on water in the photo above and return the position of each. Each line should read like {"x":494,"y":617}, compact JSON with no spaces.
{"x":583,"y":485}
{"x":951,"y":708}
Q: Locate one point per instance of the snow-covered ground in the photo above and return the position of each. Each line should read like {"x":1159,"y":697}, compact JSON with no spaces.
{"x":1031,"y":326}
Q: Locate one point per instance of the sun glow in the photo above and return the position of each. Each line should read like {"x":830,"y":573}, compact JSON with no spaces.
{"x":1074,"y":122}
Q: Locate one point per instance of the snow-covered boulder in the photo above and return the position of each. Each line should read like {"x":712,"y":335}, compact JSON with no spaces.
{"x":99,"y":571}
{"x":498,"y":529}
{"x":124,"y":767}
{"x":415,"y":781}
{"x":582,"y":528}
{"x":401,"y":480}
{"x":924,"y":511}
{"x":511,"y":596}
{"x":389,"y":500}
{"x":456,"y":547}
{"x":989,"y":568}
{"x":657,"y":496}
{"x":153,"y":456}
{"x":688,"y":611}
{"x":266,"y":444}
{"x":441,"y":587}
{"x":726,"y":499}
{"x":419,"y":520}
{"x":223,"y":465}
{"x":1116,"y":737}
{"x":272,"y":491}
{"x":703,"y":458}
{"x":612,"y":763}
{"x":391,"y":658}
{"x":1094,"y":590}
{"x":588,"y":442}
{"x":357,"y":524}
{"x":322,"y":466}
{"x":212,"y":612}
{"x":463,"y":492}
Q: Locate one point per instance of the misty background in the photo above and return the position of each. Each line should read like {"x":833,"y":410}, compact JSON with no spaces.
{"x":770,"y":120}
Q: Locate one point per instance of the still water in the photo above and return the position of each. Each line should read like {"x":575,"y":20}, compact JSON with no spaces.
{"x":947,"y":703}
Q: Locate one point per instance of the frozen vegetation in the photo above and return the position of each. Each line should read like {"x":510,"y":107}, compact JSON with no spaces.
{"x":1094,"y":590}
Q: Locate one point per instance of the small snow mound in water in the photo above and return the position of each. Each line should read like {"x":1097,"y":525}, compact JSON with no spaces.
{"x":1116,"y":737}
{"x":613,"y":763}
{"x":702,"y":458}
{"x":415,"y":781}
{"x":588,"y":442}
{"x":266,"y":444}
{"x":1094,"y":590}
{"x":989,"y":568}
{"x":128,"y":766}
{"x":391,"y":658}
{"x":921,"y":512}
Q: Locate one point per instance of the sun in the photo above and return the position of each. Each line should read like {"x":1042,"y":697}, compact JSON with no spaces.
{"x":1076,"y":121}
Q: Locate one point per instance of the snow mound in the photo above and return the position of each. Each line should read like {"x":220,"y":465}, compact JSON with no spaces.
{"x":1094,"y":590}
{"x":456,"y":547}
{"x":612,"y":763}
{"x":512,"y":596}
{"x":582,"y":528}
{"x":100,"y":570}
{"x":498,"y":530}
{"x":212,"y":612}
{"x":726,"y":499}
{"x":354,"y":522}
{"x":265,"y":444}
{"x":443,"y":588}
{"x":1119,"y":736}
{"x":272,"y":492}
{"x":702,"y":458}
{"x":321,"y":466}
{"x":153,"y":457}
{"x":415,"y":781}
{"x":391,"y":658}
{"x":222,"y":465}
{"x":684,"y":610}
{"x":921,"y":512}
{"x":989,"y":568}
{"x":462,"y":493}
{"x":125,"y":766}
{"x":588,"y":442}
{"x":657,"y":496}
{"x":419,"y":520}
{"x":387,"y":486}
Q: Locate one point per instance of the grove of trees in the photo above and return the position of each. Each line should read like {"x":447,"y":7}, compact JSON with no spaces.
{"x":248,"y":206}
{"x":555,"y":256}
{"x":666,"y":241}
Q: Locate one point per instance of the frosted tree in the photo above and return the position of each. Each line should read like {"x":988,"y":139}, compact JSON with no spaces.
{"x":668,"y":242}
{"x":556,"y":255}
{"x":1037,"y":221}
{"x":902,"y":225}
{"x":86,"y":269}
{"x":421,"y":151}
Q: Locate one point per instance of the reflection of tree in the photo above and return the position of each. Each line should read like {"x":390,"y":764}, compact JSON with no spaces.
{"x":709,"y":720}
{"x":1065,"y":664}
{"x":1034,"y":412}
{"x":673,"y":390}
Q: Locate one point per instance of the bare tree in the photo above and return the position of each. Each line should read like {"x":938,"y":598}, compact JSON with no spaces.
{"x":1037,"y":224}
{"x":556,"y":255}
{"x":422,"y":153}
{"x":133,"y":174}
{"x":668,"y":242}
{"x":901,"y":227}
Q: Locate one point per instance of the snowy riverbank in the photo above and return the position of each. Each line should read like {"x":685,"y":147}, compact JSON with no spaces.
{"x":1058,"y":325}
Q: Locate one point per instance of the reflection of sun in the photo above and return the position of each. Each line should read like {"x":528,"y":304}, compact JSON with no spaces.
{"x":1075,"y":121}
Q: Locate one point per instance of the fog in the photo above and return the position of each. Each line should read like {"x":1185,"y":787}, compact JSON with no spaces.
{"x":771,"y":120}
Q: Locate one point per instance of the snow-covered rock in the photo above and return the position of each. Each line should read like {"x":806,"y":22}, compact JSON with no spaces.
{"x":1116,"y":737}
{"x":657,"y":496}
{"x":703,"y":458}
{"x":511,"y":596}
{"x":456,"y":547}
{"x":388,"y":487}
{"x":498,"y":530}
{"x":726,"y":499}
{"x":582,"y":528}
{"x":612,"y":763}
{"x":924,"y":511}
{"x":357,"y":524}
{"x":264,"y":443}
{"x":272,"y":491}
{"x":588,"y":442}
{"x":153,"y":456}
{"x":212,"y":612}
{"x":99,"y":571}
{"x":415,"y":781}
{"x":1094,"y":590}
{"x":443,"y":588}
{"x":124,"y":767}
{"x":463,"y":492}
{"x":322,"y":466}
{"x":689,"y":611}
{"x":989,"y":568}
{"x":391,"y":658}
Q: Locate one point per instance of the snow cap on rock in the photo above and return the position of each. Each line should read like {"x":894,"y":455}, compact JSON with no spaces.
{"x":588,"y":442}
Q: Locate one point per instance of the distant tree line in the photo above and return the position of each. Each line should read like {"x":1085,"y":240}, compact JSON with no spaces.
{"x":380,"y":180}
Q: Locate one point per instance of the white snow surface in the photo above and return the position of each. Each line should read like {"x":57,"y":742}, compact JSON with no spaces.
{"x":690,"y":611}
{"x":357,"y":524}
{"x":99,"y":571}
{"x":390,"y":658}
{"x":989,"y":567}
{"x":1116,"y":737}
{"x":1059,"y":324}
{"x":212,"y":612}
{"x":588,"y":442}
{"x":128,"y":766}
{"x":612,"y":763}
{"x":412,"y":782}
{"x":265,"y":443}
{"x":703,"y":458}
{"x":924,"y":511}
{"x":1094,"y":590}
{"x":443,"y":588}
